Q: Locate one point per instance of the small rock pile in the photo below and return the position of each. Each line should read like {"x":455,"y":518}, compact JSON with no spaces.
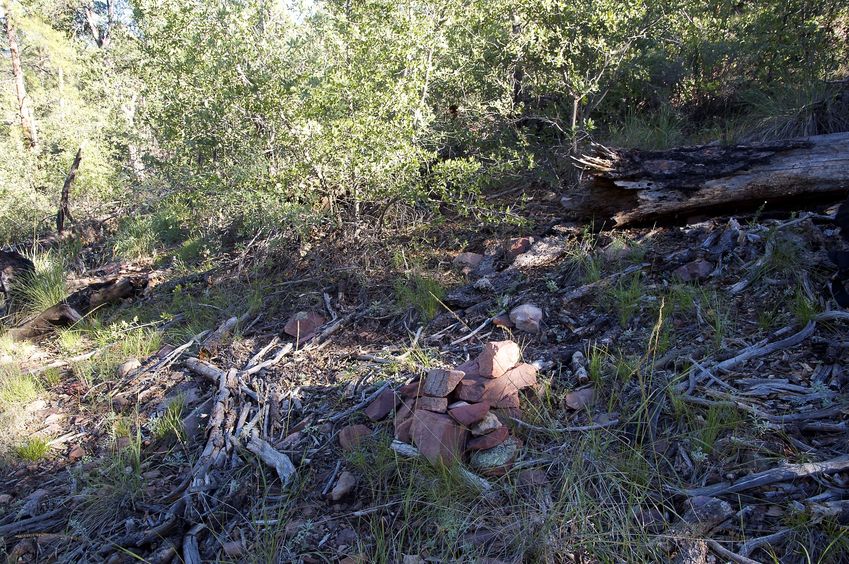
{"x":449,"y":414}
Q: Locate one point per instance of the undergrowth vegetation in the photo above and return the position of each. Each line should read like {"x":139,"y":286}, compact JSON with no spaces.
{"x":342,"y":117}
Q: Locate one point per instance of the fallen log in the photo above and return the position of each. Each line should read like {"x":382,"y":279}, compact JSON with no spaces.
{"x":80,"y":303}
{"x":635,"y":187}
{"x":110,"y":291}
{"x":60,"y":315}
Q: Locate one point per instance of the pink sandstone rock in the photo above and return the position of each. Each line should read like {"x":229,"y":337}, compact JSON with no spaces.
{"x":303,"y":325}
{"x":351,"y":437}
{"x":438,"y":437}
{"x":469,"y":413}
{"x":438,"y":405}
{"x":496,"y":391}
{"x":382,"y":406}
{"x":490,"y":440}
{"x":498,"y":357}
{"x":439,"y":383}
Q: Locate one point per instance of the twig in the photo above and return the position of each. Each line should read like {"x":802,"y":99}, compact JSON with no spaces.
{"x":575,"y":429}
{"x":373,"y":396}
{"x":773,"y":476}
{"x":757,"y":351}
{"x":44,"y":522}
{"x":332,"y":478}
{"x":750,"y":545}
{"x":262,"y":352}
{"x":286,"y":349}
{"x":330,"y":310}
{"x":582,"y":291}
{"x":725,"y":553}
{"x":191,"y":552}
{"x":413,"y":344}
{"x":276,"y":459}
{"x":756,"y":271}
{"x":477,"y":330}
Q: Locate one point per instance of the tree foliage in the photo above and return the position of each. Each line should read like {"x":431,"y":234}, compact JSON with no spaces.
{"x":332,"y":112}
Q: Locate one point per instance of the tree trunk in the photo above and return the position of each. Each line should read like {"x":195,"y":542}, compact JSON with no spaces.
{"x":101,"y":37}
{"x":64,"y":201}
{"x":634,"y":186}
{"x":24,"y":103}
{"x":91,"y":20}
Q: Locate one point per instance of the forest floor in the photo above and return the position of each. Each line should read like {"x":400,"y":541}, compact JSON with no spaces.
{"x":702,"y":419}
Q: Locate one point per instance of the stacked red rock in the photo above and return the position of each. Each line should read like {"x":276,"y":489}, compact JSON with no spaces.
{"x":452,"y":413}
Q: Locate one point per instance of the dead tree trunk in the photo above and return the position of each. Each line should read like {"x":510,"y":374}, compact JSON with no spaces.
{"x":64,"y":201}
{"x":634,"y":186}
{"x":24,"y":103}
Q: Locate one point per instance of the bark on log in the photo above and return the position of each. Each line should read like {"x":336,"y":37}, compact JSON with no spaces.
{"x":60,"y":315}
{"x":78,"y":304}
{"x":634,"y":186}
{"x":111,"y":291}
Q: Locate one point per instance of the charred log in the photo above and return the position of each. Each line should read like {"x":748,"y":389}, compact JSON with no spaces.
{"x":634,"y":186}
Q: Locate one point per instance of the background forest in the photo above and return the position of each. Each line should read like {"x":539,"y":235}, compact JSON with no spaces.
{"x":204,"y":116}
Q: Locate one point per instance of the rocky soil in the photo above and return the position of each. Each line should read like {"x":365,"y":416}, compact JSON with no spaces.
{"x":652,"y":394}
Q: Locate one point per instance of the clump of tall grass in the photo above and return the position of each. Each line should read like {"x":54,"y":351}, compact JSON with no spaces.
{"x":423,"y":294}
{"x":659,"y":130}
{"x":45,"y":287}
{"x":794,"y":111}
{"x":17,"y":388}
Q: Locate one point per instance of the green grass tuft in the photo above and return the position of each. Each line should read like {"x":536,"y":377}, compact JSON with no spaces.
{"x":423,"y":294}
{"x":46,"y":286}
{"x":169,"y":425}
{"x":17,"y":388}
{"x":624,"y":297}
{"x":33,"y":450}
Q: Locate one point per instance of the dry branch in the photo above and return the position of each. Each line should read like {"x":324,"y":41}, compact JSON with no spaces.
{"x":276,"y":459}
{"x":773,"y":476}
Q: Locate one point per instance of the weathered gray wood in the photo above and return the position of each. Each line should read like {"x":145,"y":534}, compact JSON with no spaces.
{"x":636,"y":186}
{"x":772,"y":476}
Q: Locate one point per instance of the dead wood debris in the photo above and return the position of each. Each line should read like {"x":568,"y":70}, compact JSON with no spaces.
{"x":786,"y":385}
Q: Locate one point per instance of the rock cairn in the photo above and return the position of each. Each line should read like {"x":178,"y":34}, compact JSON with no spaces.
{"x":450,"y":415}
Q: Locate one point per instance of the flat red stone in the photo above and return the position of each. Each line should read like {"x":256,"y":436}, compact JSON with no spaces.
{"x":517,"y":246}
{"x":502,"y":320}
{"x":304,"y":324}
{"x":438,"y":405}
{"x":490,"y":440}
{"x":438,"y":437}
{"x":351,"y":436}
{"x":382,"y":406}
{"x":498,"y":357}
{"x":497,"y":391}
{"x":468,"y":415}
{"x":470,"y":368}
{"x":404,"y":422}
{"x":411,"y":390}
{"x":439,"y":383}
